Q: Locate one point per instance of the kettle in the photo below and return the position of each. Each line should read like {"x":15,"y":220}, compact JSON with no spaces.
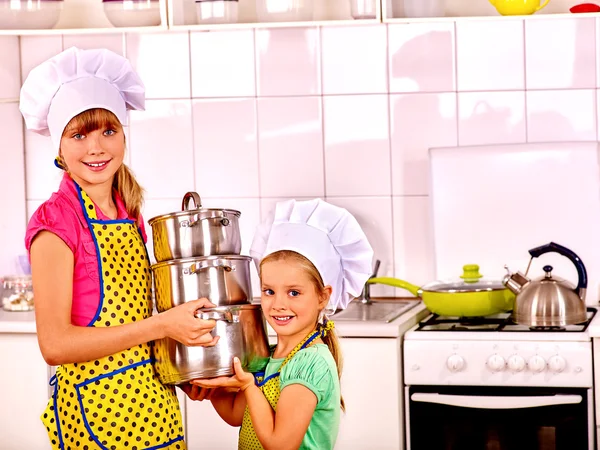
{"x":548,"y":301}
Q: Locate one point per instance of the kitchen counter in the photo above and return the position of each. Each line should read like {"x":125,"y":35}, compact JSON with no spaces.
{"x":24,"y":322}
{"x":17,"y":321}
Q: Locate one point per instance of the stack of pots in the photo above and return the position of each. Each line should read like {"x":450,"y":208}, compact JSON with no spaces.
{"x":198,"y":256}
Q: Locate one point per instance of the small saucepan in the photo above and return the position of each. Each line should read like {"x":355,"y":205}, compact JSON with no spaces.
{"x":470,"y":296}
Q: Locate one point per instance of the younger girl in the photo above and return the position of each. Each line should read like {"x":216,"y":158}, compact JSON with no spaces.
{"x":91,"y":275}
{"x":310,"y":256}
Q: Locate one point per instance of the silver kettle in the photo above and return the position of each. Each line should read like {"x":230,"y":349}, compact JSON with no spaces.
{"x":548,"y":301}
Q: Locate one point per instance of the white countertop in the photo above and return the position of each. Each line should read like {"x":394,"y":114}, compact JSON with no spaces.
{"x":17,"y":321}
{"x":24,"y":322}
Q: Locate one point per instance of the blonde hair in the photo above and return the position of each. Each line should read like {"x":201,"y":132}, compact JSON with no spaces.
{"x":124,"y":181}
{"x":330,"y":338}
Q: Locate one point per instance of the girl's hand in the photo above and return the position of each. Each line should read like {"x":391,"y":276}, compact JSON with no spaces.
{"x":196,"y":393}
{"x":181,"y":324}
{"x":240,"y":380}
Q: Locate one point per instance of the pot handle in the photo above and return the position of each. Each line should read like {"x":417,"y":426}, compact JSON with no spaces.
{"x":185,"y":203}
{"x":190,"y":223}
{"x":213,"y":314}
{"x":553,"y":247}
{"x":198,"y":266}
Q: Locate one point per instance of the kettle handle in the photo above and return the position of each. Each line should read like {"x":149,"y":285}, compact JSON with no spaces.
{"x":553,"y":247}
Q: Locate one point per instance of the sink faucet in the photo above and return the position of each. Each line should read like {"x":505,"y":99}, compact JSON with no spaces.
{"x":366,"y":293}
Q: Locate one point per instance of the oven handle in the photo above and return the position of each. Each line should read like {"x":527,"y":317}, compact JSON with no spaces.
{"x":482,"y":402}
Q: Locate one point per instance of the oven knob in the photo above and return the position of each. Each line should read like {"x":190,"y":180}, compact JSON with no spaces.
{"x":537,"y":364}
{"x":455,"y":363}
{"x":557,"y":364}
{"x":496,"y":363}
{"x":516,"y":363}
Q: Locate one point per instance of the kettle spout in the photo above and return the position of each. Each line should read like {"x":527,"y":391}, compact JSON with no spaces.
{"x":515,"y":282}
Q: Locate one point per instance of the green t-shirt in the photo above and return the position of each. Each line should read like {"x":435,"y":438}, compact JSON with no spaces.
{"x":314,"y":368}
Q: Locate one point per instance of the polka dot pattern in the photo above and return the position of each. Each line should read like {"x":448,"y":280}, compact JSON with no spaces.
{"x":116,"y":402}
{"x":248,"y":439}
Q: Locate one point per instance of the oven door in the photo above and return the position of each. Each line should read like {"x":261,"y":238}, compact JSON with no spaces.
{"x":499,"y":418}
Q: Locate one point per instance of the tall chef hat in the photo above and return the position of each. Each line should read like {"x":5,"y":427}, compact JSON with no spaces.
{"x":328,"y":236}
{"x":73,"y":82}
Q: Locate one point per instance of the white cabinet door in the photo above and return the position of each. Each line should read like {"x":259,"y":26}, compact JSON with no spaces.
{"x":373,"y":395}
{"x":206,"y":430}
{"x":24,"y":393}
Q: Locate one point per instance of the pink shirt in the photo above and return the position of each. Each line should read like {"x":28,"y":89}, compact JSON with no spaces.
{"x":62,"y":215}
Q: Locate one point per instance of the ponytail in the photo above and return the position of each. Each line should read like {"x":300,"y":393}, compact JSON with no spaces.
{"x":332,"y":341}
{"x":130,"y":191}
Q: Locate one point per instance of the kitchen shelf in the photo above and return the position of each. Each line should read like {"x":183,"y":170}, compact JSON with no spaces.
{"x":461,"y":10}
{"x":88,"y":17}
{"x":182,"y":16}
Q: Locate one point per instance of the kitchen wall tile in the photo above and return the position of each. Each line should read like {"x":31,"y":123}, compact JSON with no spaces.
{"x":354,"y":60}
{"x":156,"y":207}
{"x":249,"y":220}
{"x":288,"y":61}
{"x":42,"y":177}
{"x":32,"y":206}
{"x":565,"y":115}
{"x":560,"y":53}
{"x":414,"y":252}
{"x":267,"y":204}
{"x":419,"y":122}
{"x":12,"y":174}
{"x":357,"y":148}
{"x":163,"y":62}
{"x":374,"y":214}
{"x":113,"y":42}
{"x":223,"y":64}
{"x":491,"y":118}
{"x":290,"y":142}
{"x":37,"y":49}
{"x":490,"y":55}
{"x":421,"y":57}
{"x":10,"y":70}
{"x":161,"y":147}
{"x":225,"y":148}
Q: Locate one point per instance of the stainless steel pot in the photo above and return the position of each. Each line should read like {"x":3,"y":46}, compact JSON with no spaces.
{"x":196,"y":232}
{"x":224,"y":280}
{"x":242,"y":333}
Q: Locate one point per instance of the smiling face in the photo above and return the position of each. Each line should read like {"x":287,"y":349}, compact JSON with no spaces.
{"x":292,"y":296}
{"x":93,"y":147}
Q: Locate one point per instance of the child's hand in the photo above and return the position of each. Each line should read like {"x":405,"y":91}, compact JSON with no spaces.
{"x":196,"y":393}
{"x":241,"y":380}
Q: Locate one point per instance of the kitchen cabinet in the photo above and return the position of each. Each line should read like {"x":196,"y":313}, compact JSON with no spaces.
{"x":24,"y":393}
{"x":372,"y":393}
{"x":371,"y":389}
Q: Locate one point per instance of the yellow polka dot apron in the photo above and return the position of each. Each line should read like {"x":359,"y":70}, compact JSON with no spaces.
{"x":115,"y":402}
{"x":271,"y":390}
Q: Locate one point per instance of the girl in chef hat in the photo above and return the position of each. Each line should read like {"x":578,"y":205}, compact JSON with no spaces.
{"x":311,"y":257}
{"x":91,"y":275}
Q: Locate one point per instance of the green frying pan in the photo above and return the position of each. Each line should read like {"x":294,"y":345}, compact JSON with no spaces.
{"x":472,"y":296}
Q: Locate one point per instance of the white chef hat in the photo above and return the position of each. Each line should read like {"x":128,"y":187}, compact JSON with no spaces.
{"x":328,"y":236}
{"x":73,"y":82}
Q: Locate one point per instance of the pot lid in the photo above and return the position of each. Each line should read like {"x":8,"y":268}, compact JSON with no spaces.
{"x":471,"y":281}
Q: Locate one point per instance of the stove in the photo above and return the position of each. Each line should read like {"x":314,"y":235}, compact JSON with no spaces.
{"x":481,"y":380}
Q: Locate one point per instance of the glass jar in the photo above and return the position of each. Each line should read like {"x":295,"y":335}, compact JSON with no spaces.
{"x":17,"y":293}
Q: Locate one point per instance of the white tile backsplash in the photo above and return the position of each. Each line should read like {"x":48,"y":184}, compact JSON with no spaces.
{"x":225,"y":148}
{"x":561,"y":54}
{"x":357,"y":147}
{"x":290,"y":129}
{"x":490,"y":55}
{"x":223,"y":64}
{"x":10,"y":74}
{"x":348,"y":113}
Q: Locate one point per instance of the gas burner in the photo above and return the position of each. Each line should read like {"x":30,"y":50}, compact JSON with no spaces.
{"x":498,"y":322}
{"x":548,"y":328}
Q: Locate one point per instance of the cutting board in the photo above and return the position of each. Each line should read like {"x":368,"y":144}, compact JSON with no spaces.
{"x":491,"y":204}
